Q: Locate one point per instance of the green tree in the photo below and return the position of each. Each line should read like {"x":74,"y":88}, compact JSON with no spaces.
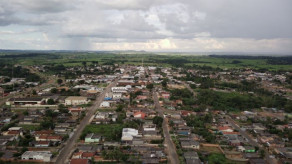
{"x":119,"y":108}
{"x":34,"y":92}
{"x":54,"y":90}
{"x":149,"y":86}
{"x":216,"y":159}
{"x":84,"y":64}
{"x":50,"y":102}
{"x":164,"y":82}
{"x":158,"y":121}
{"x":59,"y":81}
{"x":262,"y":153}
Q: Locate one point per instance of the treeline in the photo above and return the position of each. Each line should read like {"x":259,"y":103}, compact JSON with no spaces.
{"x":19,"y":72}
{"x":282,"y":60}
{"x":176,"y":62}
{"x":237,"y":101}
{"x":31,"y":55}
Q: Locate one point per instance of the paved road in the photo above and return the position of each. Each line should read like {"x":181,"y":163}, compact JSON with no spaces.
{"x":251,"y":141}
{"x":69,"y":147}
{"x":172,"y":155}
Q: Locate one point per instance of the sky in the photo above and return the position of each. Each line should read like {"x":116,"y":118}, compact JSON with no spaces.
{"x":152,"y":25}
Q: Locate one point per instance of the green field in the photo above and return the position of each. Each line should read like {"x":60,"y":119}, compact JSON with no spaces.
{"x":69,"y":59}
{"x":111,"y":132}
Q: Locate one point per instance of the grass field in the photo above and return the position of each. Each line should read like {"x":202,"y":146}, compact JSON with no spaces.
{"x":135,"y":58}
{"x":29,"y":127}
{"x":108,"y":131}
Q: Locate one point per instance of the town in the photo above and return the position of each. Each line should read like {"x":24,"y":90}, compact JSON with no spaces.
{"x":144,"y":113}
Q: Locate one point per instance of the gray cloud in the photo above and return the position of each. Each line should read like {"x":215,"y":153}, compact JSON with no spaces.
{"x":149,"y":22}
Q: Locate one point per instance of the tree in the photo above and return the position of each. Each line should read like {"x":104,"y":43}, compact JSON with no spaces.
{"x":171,"y":123}
{"x":158,"y":121}
{"x":34,"y":92}
{"x":47,"y":123}
{"x":84,"y":64}
{"x":216,"y":159}
{"x":149,"y":86}
{"x":262,"y":153}
{"x":94,"y":62}
{"x":164,"y":83}
{"x":25,"y":113}
{"x":119,"y":108}
{"x":59,"y":81}
{"x":54,"y":90}
{"x":50,"y":102}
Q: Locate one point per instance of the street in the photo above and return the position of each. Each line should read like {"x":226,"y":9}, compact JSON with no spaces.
{"x":172,"y":155}
{"x":65,"y":153}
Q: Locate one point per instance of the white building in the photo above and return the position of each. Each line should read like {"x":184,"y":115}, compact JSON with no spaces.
{"x":117,"y":95}
{"x":119,"y":89}
{"x":128,"y":134}
{"x":37,"y":155}
{"x":105,"y":104}
{"x":76,"y":100}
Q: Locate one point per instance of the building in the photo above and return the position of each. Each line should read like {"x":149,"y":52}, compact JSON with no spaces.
{"x":44,"y":156}
{"x":119,"y":89}
{"x":117,"y":96}
{"x":140,"y":115}
{"x":105,"y":104}
{"x":192,"y":157}
{"x":25,"y":101}
{"x":76,"y":100}
{"x":79,"y":161}
{"x":128,"y":134}
{"x":91,"y":138}
{"x":190,"y":144}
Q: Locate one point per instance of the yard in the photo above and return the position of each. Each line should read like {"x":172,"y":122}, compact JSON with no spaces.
{"x":111,"y":132}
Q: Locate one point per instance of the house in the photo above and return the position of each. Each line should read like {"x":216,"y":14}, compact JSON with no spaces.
{"x":60,"y":130}
{"x":42,"y":144}
{"x":192,"y":157}
{"x":87,"y":155}
{"x":128,"y":134}
{"x":183,"y":132}
{"x":165,"y":95}
{"x":119,"y":89}
{"x":140,"y":115}
{"x":52,"y":138}
{"x":117,"y":96}
{"x":44,"y":156}
{"x":79,"y":161}
{"x":190,"y":144}
{"x":91,"y":138}
{"x":105,"y":104}
{"x":225,"y":129}
{"x":186,"y":113}
{"x":137,"y":141}
{"x":76,"y":100}
{"x":75,"y":109}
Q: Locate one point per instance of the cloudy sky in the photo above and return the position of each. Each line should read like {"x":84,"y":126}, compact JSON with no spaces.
{"x":151,"y":25}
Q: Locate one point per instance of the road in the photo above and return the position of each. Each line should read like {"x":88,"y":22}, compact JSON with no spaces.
{"x":172,"y":155}
{"x":251,"y":141}
{"x":65,"y":153}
